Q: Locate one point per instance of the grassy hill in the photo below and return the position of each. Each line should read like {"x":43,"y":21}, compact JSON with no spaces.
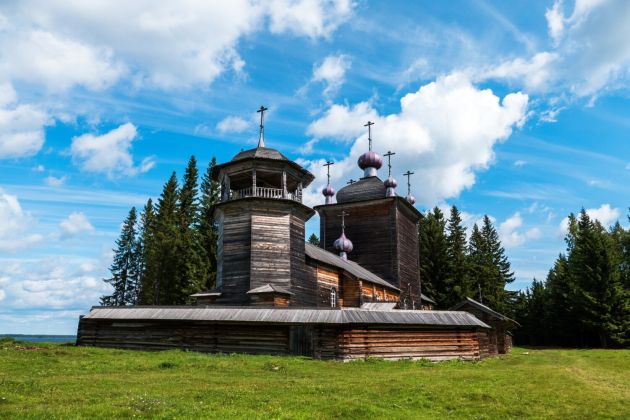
{"x":56,"y":380}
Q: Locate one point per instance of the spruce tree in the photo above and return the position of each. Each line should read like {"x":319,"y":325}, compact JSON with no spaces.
{"x":458,"y":286}
{"x":146,"y":246}
{"x":162,"y":263}
{"x":191,"y":262}
{"x":208,"y":231}
{"x":479,"y":265}
{"x":500,"y":269}
{"x":124,"y":267}
{"x":433,"y":256}
{"x":313,"y":239}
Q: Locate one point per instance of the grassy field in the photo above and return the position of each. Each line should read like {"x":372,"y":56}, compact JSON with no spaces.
{"x":60,"y":381}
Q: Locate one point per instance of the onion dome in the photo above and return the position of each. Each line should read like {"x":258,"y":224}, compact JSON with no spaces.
{"x":343,"y":245}
{"x":328,"y":191}
{"x":411,"y":199}
{"x":391,"y":184}
{"x":370,"y":162}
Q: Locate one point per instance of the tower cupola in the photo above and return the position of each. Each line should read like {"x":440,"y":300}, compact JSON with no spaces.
{"x":410,"y":198}
{"x":328,"y":191}
{"x":390,"y":183}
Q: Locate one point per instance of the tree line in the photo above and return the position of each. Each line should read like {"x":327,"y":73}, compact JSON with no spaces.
{"x":168,"y":251}
{"x":585,"y":300}
{"x":453,"y":266}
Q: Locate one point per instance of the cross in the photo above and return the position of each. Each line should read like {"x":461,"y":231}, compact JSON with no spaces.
{"x":327,"y":165}
{"x":369,"y":125}
{"x":261,"y":139}
{"x":343,"y":215}
{"x":408,"y":175}
{"x":389,"y":161}
{"x":352,"y":181}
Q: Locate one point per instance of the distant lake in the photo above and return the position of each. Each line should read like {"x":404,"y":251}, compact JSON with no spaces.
{"x":40,"y":338}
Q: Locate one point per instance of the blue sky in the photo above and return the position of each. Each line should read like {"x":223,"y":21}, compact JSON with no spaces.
{"x":518,"y":110}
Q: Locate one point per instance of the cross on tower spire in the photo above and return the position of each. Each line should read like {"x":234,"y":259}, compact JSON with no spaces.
{"x":389,"y":161}
{"x":352,"y":181}
{"x":369,"y":125}
{"x":327,"y":165}
{"x":261,"y":138}
{"x":408,"y":175}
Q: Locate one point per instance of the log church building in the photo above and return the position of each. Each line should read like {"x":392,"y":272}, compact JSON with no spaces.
{"x":356,"y":295}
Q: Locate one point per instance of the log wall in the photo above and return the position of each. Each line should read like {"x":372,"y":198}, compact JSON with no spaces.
{"x":342,"y":342}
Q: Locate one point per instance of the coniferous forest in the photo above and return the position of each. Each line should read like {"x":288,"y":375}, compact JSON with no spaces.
{"x":167,"y":252}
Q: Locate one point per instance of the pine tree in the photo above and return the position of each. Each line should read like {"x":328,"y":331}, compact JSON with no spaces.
{"x":207,"y":228}
{"x":458,"y":286}
{"x":433,"y":256}
{"x":124,"y":267}
{"x":313,"y":239}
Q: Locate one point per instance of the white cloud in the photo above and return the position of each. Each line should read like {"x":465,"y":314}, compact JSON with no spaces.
{"x":511,"y":237}
{"x":21,"y":126}
{"x":74,"y":224}
{"x":233,"y":124}
{"x":108,"y":153}
{"x":60,"y":44}
{"x":332,"y":72}
{"x":341,"y":122}
{"x":39,"y":168}
{"x":14,"y":225}
{"x":606,"y":215}
{"x":520,"y":163}
{"x":2,"y":295}
{"x":313,"y":18}
{"x":445,"y":132}
{"x":52,"y":181}
{"x":57,"y":62}
{"x":591,"y":51}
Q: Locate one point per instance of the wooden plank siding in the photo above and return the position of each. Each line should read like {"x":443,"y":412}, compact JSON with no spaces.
{"x":341,"y":342}
{"x":385,"y":237}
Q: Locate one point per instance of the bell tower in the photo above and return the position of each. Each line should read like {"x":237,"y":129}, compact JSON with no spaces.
{"x":261,"y":226}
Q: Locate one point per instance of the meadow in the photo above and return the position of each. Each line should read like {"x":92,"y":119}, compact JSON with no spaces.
{"x":52,"y":380}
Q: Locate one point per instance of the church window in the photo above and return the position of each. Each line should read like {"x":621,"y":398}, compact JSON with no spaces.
{"x":333,"y":298}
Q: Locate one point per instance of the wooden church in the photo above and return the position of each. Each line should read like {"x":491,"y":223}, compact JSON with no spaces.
{"x":356,"y":295}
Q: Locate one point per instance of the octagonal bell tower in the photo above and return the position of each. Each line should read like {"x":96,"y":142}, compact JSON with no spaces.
{"x":261,"y":222}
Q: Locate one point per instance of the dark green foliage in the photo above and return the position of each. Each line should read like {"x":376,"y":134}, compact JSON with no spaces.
{"x":125,"y":267}
{"x":313,"y":239}
{"x":207,"y":227}
{"x":174,"y":249}
{"x":433,"y":255}
{"x":585,"y":300}
{"x":458,"y":285}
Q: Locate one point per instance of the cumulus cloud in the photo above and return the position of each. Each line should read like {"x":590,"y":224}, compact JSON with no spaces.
{"x":233,"y":124}
{"x":109,"y":153}
{"x":160,"y":43}
{"x":510,"y":235}
{"x":590,"y":51}
{"x":605,"y":214}
{"x":14,"y":225}
{"x":331,"y":72}
{"x":21,"y":126}
{"x":445,"y":132}
{"x":75,"y":223}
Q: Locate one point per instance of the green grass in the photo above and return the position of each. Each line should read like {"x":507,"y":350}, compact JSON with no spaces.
{"x":61,"y":381}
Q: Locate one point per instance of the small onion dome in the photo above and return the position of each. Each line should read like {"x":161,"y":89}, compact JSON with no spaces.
{"x":370,"y":160}
{"x":390,"y":183}
{"x":328,"y":191}
{"x":411,"y":199}
{"x":343,"y":244}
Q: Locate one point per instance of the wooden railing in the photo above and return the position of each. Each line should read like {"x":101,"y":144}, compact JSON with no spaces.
{"x":264,"y":192}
